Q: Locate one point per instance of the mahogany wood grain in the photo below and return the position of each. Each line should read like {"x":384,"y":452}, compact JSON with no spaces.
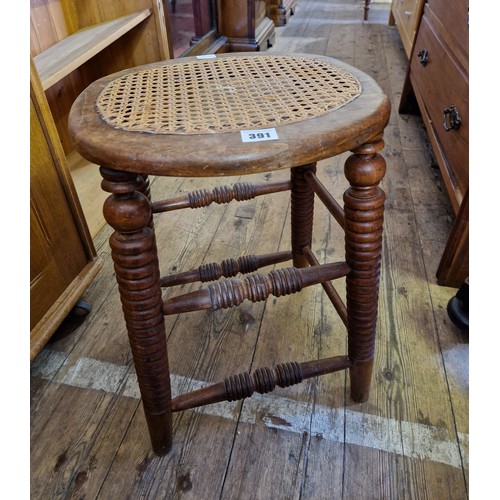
{"x":438,"y":82}
{"x":442,"y":69}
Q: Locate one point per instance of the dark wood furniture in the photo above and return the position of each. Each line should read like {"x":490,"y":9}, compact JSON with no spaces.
{"x":63,"y":260}
{"x":438,"y":77}
{"x":221,"y":27}
{"x":211,"y":117}
{"x":281,"y":10}
{"x":246,"y":25}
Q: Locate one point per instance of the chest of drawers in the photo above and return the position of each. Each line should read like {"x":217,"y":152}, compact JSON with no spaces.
{"x":438,"y":78}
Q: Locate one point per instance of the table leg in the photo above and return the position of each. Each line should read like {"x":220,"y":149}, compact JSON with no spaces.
{"x":133,"y":249}
{"x":364,"y":211}
{"x":366,"y":9}
{"x":302,"y":211}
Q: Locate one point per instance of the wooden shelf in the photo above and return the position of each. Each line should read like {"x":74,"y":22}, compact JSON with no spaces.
{"x":64,"y":57}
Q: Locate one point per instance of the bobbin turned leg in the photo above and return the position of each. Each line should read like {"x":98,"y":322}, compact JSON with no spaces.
{"x":133,"y":249}
{"x":364,"y":211}
{"x":302,"y":210}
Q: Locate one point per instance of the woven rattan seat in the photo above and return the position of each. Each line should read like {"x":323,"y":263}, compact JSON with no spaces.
{"x":225,"y":95}
{"x":236,"y":114}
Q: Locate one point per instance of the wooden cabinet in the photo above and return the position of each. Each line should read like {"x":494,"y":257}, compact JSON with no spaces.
{"x":73,"y":44}
{"x":405,"y":14}
{"x":222,"y":26}
{"x":63,"y":259}
{"x":442,"y":85}
{"x":246,"y":24}
{"x":438,"y":77}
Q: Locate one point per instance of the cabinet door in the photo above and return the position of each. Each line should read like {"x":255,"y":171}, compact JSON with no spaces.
{"x":57,"y":254}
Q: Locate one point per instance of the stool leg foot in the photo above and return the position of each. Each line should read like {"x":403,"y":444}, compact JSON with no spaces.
{"x":133,"y":249}
{"x":364,"y":210}
{"x":360,"y":375}
{"x":302,"y":210}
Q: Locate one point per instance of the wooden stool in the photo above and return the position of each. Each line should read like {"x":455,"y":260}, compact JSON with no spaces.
{"x":233,"y":115}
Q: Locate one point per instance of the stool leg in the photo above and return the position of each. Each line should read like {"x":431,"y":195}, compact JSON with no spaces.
{"x":302,"y":210}
{"x":364,"y":211}
{"x":133,"y":249}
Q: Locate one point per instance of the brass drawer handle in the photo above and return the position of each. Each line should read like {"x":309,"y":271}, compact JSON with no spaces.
{"x":451,"y":118}
{"x":423,"y":55}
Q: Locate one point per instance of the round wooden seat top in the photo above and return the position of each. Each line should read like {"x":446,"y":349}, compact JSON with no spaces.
{"x":228,"y":114}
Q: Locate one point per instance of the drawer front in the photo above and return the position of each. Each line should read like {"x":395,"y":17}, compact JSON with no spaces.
{"x":454,"y":18}
{"x":443,"y":85}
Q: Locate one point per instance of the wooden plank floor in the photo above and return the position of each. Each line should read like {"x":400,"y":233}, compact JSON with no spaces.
{"x":410,"y":440}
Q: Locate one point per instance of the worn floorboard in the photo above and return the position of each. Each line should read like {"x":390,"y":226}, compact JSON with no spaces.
{"x":409,"y":440}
